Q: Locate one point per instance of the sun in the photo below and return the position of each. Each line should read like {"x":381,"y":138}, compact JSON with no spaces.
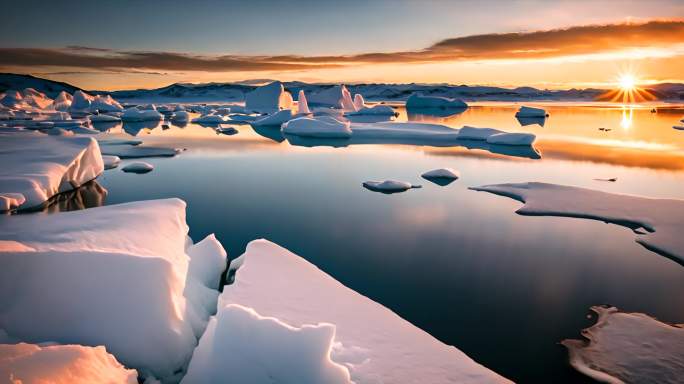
{"x":627,"y":82}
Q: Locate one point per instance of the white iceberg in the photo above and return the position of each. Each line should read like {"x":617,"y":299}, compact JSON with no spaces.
{"x":123,"y":276}
{"x":419,"y":101}
{"x":134,"y":114}
{"x":359,"y":102}
{"x":249,"y":348}
{"x":372,"y":342}
{"x":80,"y":102}
{"x":105,"y":104}
{"x":110,"y":162}
{"x":268,"y":98}
{"x":442,"y":173}
{"x":629,"y":348}
{"x":302,"y":104}
{"x":336,"y":96}
{"x":407,"y":131}
{"x":208,"y":119}
{"x":661,"y":219}
{"x":138,"y":167}
{"x":62,"y":102}
{"x":36,"y":167}
{"x":530,"y":112}
{"x":319,"y":127}
{"x":276,"y":119}
{"x":73,"y":364}
{"x":389,"y":186}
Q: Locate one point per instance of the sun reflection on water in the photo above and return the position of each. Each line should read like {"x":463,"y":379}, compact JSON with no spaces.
{"x":627,"y":117}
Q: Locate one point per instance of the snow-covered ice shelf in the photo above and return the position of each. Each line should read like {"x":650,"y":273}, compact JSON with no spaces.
{"x":328,"y":325}
{"x":36,"y":167}
{"x":657,"y":223}
{"x":629,"y":348}
{"x":124,"y":276}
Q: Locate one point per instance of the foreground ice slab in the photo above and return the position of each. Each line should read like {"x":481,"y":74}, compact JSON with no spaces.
{"x":418,"y":101}
{"x":34,"y":167}
{"x":73,"y":364}
{"x":123,"y":276}
{"x":276,"y":119}
{"x":389,"y":186}
{"x":372,"y":342}
{"x":131,"y":150}
{"x":139,"y":167}
{"x":319,"y":127}
{"x":629,"y":348}
{"x":661,"y":219}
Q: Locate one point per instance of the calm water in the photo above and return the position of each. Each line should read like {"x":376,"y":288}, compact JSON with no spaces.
{"x":457,"y":263}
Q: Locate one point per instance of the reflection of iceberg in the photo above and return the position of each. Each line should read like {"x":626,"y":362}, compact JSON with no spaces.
{"x":134,"y":128}
{"x":89,"y":195}
{"x":531,"y":120}
{"x":270,"y":132}
{"x":421,"y":113}
{"x":105,"y":126}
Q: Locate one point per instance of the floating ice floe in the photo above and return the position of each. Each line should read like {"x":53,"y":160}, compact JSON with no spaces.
{"x":318,"y":127}
{"x":268,"y":98}
{"x":629,"y":348}
{"x":531,"y":112}
{"x":134,"y":114}
{"x":102,"y":118}
{"x":110,"y":162}
{"x":73,"y":364}
{"x":134,"y":151}
{"x":138,"y":167}
{"x":661,"y":219}
{"x":678,"y":127}
{"x":181,"y":116}
{"x":441,"y":173}
{"x":389,"y":186}
{"x":227,"y":131}
{"x":403,"y":131}
{"x":36,"y":167}
{"x":208,"y":119}
{"x":105,"y":103}
{"x":276,"y":119}
{"x":377,"y":110}
{"x":123,"y":276}
{"x":495,"y":136}
{"x":419,"y":101}
{"x":278,"y":294}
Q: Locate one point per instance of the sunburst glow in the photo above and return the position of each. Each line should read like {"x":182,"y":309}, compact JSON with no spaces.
{"x":627,"y":82}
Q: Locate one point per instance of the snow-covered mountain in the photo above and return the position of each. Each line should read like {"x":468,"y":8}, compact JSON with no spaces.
{"x":49,"y":87}
{"x":374,"y":92}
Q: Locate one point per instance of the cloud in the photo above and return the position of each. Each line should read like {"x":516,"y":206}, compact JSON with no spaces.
{"x":578,"y":40}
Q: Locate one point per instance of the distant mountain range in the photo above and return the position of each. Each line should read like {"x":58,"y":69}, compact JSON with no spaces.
{"x":390,"y":92}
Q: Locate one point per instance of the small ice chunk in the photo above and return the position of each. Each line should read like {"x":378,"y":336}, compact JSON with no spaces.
{"x":629,"y":348}
{"x":208,"y":119}
{"x":319,"y":126}
{"x":530,"y":112}
{"x":73,"y":364}
{"x":419,"y":101}
{"x":180,"y":116}
{"x":389,"y":186}
{"x":110,"y":161}
{"x":138,"y":167}
{"x":135,"y":114}
{"x":442,"y":173}
{"x":105,"y":103}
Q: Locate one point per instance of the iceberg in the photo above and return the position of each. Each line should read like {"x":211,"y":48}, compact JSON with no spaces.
{"x":320,"y":127}
{"x":660,"y":219}
{"x":180,"y":116}
{"x":389,"y":186}
{"x":36,"y":167}
{"x":62,"y":102}
{"x":276,"y":119}
{"x":139,"y":167}
{"x":110,"y":162}
{"x":249,"y":348}
{"x":419,"y":101}
{"x":134,"y":114}
{"x":336,"y":96}
{"x":441,"y":173}
{"x":80,"y":102}
{"x":73,"y":364}
{"x":293,"y":301}
{"x":531,"y":112}
{"x":408,"y":131}
{"x":268,"y":98}
{"x":629,"y":348}
{"x":56,"y":131}
{"x":105,"y":104}
{"x":302,"y":104}
{"x":359,"y":102}
{"x":125,"y":276}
